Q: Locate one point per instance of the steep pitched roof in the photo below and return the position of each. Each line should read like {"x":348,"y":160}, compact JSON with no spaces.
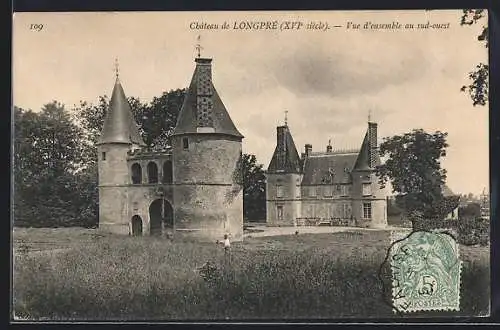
{"x":287,"y":160}
{"x":363,"y":159}
{"x":328,"y":168}
{"x":187,"y":120}
{"x":119,"y":125}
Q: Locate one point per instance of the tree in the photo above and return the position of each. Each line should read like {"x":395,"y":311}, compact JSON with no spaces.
{"x":254,"y":188}
{"x":478,"y":88}
{"x":414,"y":169}
{"x":471,"y":210}
{"x":46,"y":156}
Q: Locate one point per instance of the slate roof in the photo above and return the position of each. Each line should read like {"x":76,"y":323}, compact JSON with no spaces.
{"x":363,"y":160}
{"x":291,"y":160}
{"x":119,"y":125}
{"x":317,"y":168}
{"x":187,"y":120}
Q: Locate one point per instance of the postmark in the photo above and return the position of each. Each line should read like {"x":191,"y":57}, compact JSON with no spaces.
{"x":425,"y":268}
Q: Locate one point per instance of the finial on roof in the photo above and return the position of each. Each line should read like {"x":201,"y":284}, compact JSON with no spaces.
{"x":370,"y":115}
{"x":116,"y":68}
{"x":286,"y":117}
{"x":330,"y":142}
{"x":198,"y":46}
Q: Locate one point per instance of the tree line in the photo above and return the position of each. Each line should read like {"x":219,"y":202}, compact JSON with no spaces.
{"x":55,"y":160}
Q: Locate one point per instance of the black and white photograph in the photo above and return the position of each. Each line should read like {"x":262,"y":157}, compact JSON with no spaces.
{"x":250,"y":165}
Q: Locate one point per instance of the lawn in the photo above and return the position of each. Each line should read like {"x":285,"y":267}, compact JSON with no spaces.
{"x":77,"y":274}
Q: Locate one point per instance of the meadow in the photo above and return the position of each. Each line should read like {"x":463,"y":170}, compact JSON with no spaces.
{"x":79,"y":274}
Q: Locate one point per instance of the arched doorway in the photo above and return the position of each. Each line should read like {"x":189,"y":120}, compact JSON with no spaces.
{"x":136,"y":226}
{"x":161,"y":218}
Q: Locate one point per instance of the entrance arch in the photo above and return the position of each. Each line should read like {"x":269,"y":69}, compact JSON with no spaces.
{"x":136,"y":226}
{"x":161,"y":217}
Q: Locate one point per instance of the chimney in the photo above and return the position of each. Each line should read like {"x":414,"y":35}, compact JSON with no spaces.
{"x":372,"y":140}
{"x":308,"y":147}
{"x":204,"y":92}
{"x":281,"y":145}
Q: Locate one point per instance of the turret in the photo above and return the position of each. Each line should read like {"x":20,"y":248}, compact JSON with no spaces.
{"x":369,"y":205}
{"x":119,"y":135}
{"x":206,"y":154}
{"x":283,"y":181}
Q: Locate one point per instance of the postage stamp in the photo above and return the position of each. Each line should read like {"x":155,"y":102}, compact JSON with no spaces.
{"x":426,"y":272}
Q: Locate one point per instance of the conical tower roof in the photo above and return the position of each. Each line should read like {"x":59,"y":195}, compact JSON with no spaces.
{"x":363,"y":160}
{"x":285,"y":158}
{"x":203,"y":110}
{"x":119,"y":125}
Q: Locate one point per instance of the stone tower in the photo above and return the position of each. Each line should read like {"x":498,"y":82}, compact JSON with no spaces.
{"x":119,"y":135}
{"x":283,"y":181}
{"x":369,"y":205}
{"x":206,"y":155}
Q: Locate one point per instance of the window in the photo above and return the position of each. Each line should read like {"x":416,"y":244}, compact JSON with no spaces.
{"x":167,"y":172}
{"x":344,"y":190}
{"x":103,"y":156}
{"x":297,"y":191}
{"x":338,"y":189}
{"x":136,"y":173}
{"x":280,"y":212}
{"x":346,"y":211}
{"x":367,"y":189}
{"x":185,"y":143}
{"x":328,"y":191}
{"x":152,"y":173}
{"x":312,"y":191}
{"x":367,"y":210}
{"x":279,"y":191}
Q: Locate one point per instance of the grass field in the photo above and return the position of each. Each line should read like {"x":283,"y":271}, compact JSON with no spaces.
{"x":78,"y":274}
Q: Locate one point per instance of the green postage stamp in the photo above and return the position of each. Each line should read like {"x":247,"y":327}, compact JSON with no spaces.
{"x":426,"y":271}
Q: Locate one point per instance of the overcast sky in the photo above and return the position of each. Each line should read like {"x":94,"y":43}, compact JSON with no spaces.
{"x":327,"y":80}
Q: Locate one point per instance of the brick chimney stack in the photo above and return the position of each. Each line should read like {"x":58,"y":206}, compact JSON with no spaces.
{"x":204,"y":93}
{"x":372,"y":139}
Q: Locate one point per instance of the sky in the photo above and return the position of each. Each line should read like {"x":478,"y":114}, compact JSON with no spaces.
{"x":327,"y":80}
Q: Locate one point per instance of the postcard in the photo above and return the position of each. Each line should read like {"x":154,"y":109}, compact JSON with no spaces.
{"x":251,"y":165}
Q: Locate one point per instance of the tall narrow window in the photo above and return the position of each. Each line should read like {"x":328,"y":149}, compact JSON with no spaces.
{"x":152,"y":172}
{"x":185,"y":143}
{"x":103,"y":155}
{"x":367,"y":210}
{"x":328,"y":191}
{"x":297,"y":191}
{"x":346,"y":211}
{"x":312,"y":191}
{"x":136,"y":173}
{"x":167,"y":172}
{"x":367,"y":189}
{"x":279,"y":191}
{"x":344,"y":190}
{"x":280,"y":212}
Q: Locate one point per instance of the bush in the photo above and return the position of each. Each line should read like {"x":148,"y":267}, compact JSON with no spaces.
{"x":469,"y":231}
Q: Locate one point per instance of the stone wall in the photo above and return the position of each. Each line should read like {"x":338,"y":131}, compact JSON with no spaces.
{"x":208,"y":198}
{"x":290,"y":200}
{"x":113,"y":176}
